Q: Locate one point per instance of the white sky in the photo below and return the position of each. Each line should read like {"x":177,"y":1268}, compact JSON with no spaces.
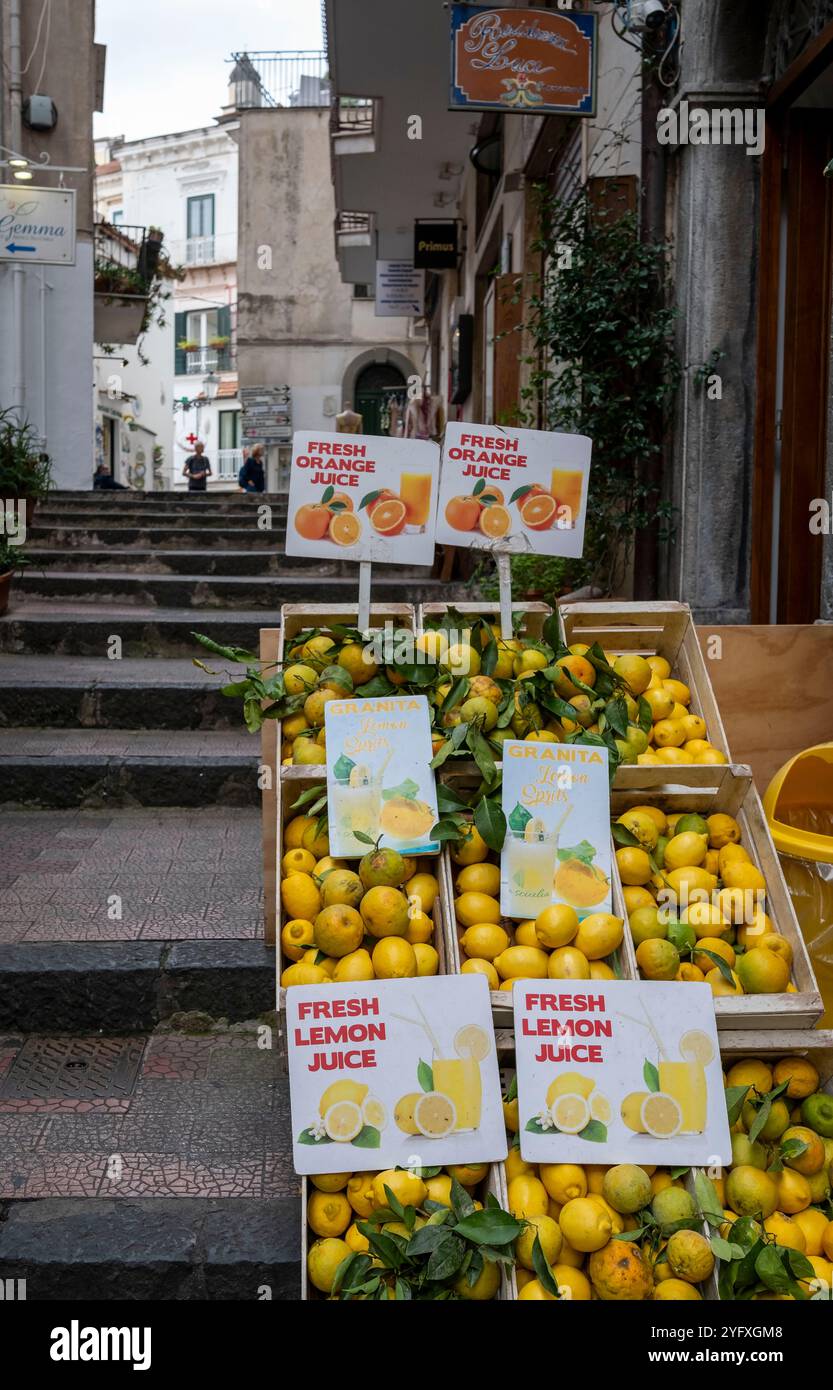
{"x":166,"y":68}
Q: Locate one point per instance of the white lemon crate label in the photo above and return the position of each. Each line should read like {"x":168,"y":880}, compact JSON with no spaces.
{"x":619,"y":1072}
{"x":393,"y":1073}
{"x":514,"y":490}
{"x":362,"y":497}
{"x":380,"y":784}
{"x":556,"y":800}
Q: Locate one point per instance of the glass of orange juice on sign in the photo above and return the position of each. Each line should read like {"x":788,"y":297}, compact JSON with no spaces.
{"x":415,"y":491}
{"x":459,"y":1079}
{"x":566,"y":488}
{"x":686,"y":1083}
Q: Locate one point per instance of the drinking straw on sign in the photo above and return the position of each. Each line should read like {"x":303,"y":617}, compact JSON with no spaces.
{"x":421,"y":1023}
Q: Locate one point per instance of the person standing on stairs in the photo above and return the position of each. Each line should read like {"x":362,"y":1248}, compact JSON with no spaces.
{"x":251,"y":477}
{"x":197,"y":469}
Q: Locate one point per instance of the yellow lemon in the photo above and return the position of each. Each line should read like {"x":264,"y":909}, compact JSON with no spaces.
{"x":323,"y":1260}
{"x":427,"y":959}
{"x":299,"y":678}
{"x":303,"y":974}
{"x":296,"y":937}
{"x":420,"y":928}
{"x":339,"y":930}
{"x":360,"y":1193}
{"x":394,"y":959}
{"x":484,"y":941}
{"x":568,"y":963}
{"x":522,"y":962}
{"x":297,"y":861}
{"x":801,"y":1076}
{"x":786,"y":1232}
{"x":354,"y":1238}
{"x":642,"y":826}
{"x":706,"y":919}
{"x":481,"y":967}
{"x":637,"y":897}
{"x":634,"y":671}
{"x":471,"y":848}
{"x":384,"y":912}
{"x":675,"y":1290}
{"x":525,"y":934}
{"x":341,"y":886}
{"x":479,"y":878}
{"x":745,"y":876}
{"x":794,"y":1193}
{"x":599,"y":970}
{"x":599,"y":935}
{"x":556,"y":925}
{"x":563,"y":1181}
{"x":473,"y":908}
{"x":669,"y":733}
{"x":813,"y":1223}
{"x":527,"y":1197}
{"x":585,"y":1224}
{"x":300,"y":896}
{"x":408,"y":1188}
{"x":685,"y":850}
{"x":461,"y":660}
{"x":329,"y":1213}
{"x":634,"y":865}
{"x":677,"y":690}
{"x":549,"y":1234}
{"x":723,"y":830}
{"x":422,"y":889}
{"x":357,"y":965}
{"x":720,"y":986}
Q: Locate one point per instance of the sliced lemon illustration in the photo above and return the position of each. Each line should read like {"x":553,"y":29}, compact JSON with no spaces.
{"x":435,"y":1115}
{"x":374,"y":1113}
{"x":661,"y":1115}
{"x":472,"y":1041}
{"x":360,"y":776}
{"x":570,"y":1083}
{"x":697,"y":1047}
{"x":570,"y":1114}
{"x":343,"y":1121}
{"x":600,"y":1108}
{"x":535,"y":830}
{"x":342,"y":1090}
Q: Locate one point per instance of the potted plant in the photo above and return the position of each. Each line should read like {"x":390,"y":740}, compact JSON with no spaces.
{"x":11,"y":561}
{"x":25,"y":471}
{"x":187,"y":345}
{"x":221,"y":341}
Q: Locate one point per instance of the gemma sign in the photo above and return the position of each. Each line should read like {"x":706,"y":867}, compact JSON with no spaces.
{"x":37,"y":225}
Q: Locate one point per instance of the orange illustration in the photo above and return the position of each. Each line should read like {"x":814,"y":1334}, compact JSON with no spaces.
{"x":340,"y":499}
{"x":345,"y":528}
{"x":384,"y":495}
{"x":388,"y":517}
{"x":538,"y":511}
{"x":494,"y":521}
{"x":463,"y":513}
{"x":312,"y":521}
{"x":492,"y":493}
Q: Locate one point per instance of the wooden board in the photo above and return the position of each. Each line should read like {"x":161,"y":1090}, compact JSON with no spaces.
{"x":536,"y":614}
{"x":731,"y":789}
{"x":773,"y":686}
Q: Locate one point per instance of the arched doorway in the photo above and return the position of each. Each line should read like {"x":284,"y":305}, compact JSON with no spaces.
{"x":377,"y":386}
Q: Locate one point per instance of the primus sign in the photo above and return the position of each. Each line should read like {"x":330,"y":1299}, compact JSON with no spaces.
{"x":525,"y":60}
{"x":37,"y":225}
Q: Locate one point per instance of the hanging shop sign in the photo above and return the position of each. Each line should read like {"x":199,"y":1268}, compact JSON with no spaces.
{"x":556,"y":799}
{"x":511,"y":490}
{"x":619,"y":1072}
{"x":400,"y":290}
{"x":393,"y":1073}
{"x":435,"y":245}
{"x":362,"y":497}
{"x":37,"y":225}
{"x":530,"y":61}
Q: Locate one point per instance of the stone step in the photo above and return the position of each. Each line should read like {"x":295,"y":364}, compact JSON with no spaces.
{"x":236,"y":562}
{"x":104,"y":768}
{"x":115,"y":499}
{"x":244,"y":519}
{"x":149,"y":537}
{"x":71,"y":692}
{"x":200,"y":593}
{"x":72,"y":629}
{"x":153,"y":1248}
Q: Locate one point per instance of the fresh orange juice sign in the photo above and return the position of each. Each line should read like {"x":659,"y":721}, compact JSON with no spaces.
{"x":393,"y":1072}
{"x":513,"y":490}
{"x":619,"y":1072}
{"x":362,"y":497}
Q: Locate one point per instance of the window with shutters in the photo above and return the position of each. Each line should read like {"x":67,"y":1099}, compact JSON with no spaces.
{"x":203,"y":341}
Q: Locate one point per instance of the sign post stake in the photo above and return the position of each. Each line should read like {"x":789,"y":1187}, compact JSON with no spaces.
{"x":504,"y":574}
{"x":364,"y":595}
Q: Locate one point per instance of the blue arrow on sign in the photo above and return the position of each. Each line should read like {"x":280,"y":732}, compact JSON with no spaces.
{"x":14,"y":248}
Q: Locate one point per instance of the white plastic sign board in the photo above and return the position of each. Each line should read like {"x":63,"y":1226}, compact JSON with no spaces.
{"x":556,"y":800}
{"x":379,"y":776}
{"x":362,"y":497}
{"x":506,"y":489}
{"x":393,"y":1073}
{"x":400,"y":290}
{"x":37,"y":225}
{"x":619,"y":1072}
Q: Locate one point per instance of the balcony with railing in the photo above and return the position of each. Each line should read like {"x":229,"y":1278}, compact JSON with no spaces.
{"x":353,"y":125}
{"x":296,"y":78}
{"x":229,"y":463}
{"x":200,"y":360}
{"x":218,"y":249}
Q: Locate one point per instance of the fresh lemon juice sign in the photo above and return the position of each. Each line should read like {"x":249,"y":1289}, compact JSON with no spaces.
{"x":362,"y":497}
{"x":556,"y":801}
{"x":619,"y":1072}
{"x":380,"y":786}
{"x":514,"y":490}
{"x":393,"y":1073}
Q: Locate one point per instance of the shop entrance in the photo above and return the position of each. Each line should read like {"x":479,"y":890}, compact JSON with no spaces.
{"x":380,"y":388}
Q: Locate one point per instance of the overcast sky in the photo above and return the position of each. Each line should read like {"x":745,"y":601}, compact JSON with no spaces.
{"x":166,"y":68}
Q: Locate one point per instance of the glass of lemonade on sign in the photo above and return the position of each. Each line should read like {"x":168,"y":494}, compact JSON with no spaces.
{"x":565,"y":486}
{"x":459,"y":1079}
{"x":685,"y":1082}
{"x":355,"y":806}
{"x":415,"y":491}
{"x":532,"y":856}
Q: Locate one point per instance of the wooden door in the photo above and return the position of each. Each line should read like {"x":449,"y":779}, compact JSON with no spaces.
{"x":508,"y":348}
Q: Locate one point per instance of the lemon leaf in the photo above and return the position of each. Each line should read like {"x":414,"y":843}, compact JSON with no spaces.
{"x":368,"y":1137}
{"x":595,"y":1132}
{"x":541,"y":1265}
{"x":709,"y":1202}
{"x":490,"y":821}
{"x":342,"y":768}
{"x":735,"y":1098}
{"x":425,"y":1076}
{"x":650,"y":1076}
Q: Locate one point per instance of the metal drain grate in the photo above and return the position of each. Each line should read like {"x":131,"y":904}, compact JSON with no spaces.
{"x":73,"y":1068}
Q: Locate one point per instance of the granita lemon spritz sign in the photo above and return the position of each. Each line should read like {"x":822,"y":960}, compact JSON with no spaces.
{"x":380,"y":786}
{"x":393,"y":1072}
{"x":619,"y":1072}
{"x":362,"y":497}
{"x":556,"y":801}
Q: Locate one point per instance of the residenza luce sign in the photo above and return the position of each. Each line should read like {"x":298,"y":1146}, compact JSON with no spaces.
{"x":523,"y":60}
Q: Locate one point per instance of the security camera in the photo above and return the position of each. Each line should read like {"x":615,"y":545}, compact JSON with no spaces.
{"x":647,"y":14}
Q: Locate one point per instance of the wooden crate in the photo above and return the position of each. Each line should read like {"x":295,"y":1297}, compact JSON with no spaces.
{"x":816,"y":1045}
{"x":502,"y":1007}
{"x":651,"y":629}
{"x":731,"y":789}
{"x":495,"y":1183}
{"x":292,"y":782}
{"x":535,"y":614}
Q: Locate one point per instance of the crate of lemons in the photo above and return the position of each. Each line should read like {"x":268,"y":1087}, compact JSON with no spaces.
{"x":372,"y":921}
{"x":618,"y":1233}
{"x":417,"y":1233}
{"x":771,"y":1209}
{"x":696,"y":903}
{"x":556,"y":945}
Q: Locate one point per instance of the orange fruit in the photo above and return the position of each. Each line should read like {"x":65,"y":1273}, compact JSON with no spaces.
{"x":388,"y":517}
{"x":340,"y":497}
{"x":312,"y":520}
{"x":383,"y":496}
{"x":492,"y":492}
{"x":494,"y":521}
{"x":577,"y":666}
{"x":345,"y":528}
{"x":539,"y":511}
{"x":463,"y":513}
